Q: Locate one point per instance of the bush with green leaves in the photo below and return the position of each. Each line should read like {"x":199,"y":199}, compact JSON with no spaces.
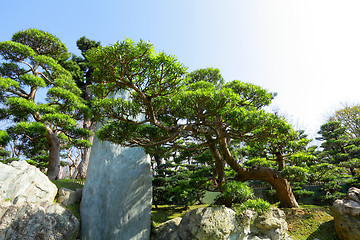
{"x":257,"y":205}
{"x":180,"y":184}
{"x":303,"y":193}
{"x":332,"y":190}
{"x":237,"y":192}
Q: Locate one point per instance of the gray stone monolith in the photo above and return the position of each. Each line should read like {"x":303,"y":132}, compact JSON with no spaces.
{"x":117,"y":197}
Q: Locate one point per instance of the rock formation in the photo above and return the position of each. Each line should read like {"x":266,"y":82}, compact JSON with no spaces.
{"x":68,"y":196}
{"x":27,"y":208}
{"x":116,"y":201}
{"x":223,"y":223}
{"x":346,"y":214}
{"x":22,"y":183}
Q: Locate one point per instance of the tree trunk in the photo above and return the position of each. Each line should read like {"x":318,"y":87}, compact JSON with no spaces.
{"x":219,"y":163}
{"x":54,"y":155}
{"x":228,"y":202}
{"x":274,"y":178}
{"x":83,"y":166}
{"x":266,"y":174}
{"x":280,"y":160}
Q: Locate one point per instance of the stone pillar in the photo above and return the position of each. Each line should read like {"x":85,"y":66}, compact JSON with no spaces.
{"x":117,"y":196}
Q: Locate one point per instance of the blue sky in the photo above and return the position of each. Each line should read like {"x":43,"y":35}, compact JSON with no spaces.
{"x":306,"y":51}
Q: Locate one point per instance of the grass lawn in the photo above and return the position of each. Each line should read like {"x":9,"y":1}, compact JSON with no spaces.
{"x":310,"y":222}
{"x":68,"y":183}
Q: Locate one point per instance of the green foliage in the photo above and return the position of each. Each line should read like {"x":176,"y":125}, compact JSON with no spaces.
{"x":208,"y":75}
{"x":196,"y":111}
{"x":296,"y":174}
{"x":237,"y":191}
{"x":338,"y":148}
{"x":349,"y":117}
{"x":181,"y":186}
{"x":335,"y":140}
{"x":7,"y":160}
{"x":33,"y":81}
{"x":4,"y":154}
{"x":42,"y":43}
{"x":257,"y":205}
{"x":40,"y":162}
{"x":4,"y":138}
{"x":332,"y":191}
{"x":32,"y":61}
{"x":31,"y":138}
{"x":260,"y":162}
{"x":126,"y":64}
{"x":303,"y":193}
{"x":330,"y":198}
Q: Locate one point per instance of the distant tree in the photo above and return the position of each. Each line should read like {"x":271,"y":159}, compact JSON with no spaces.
{"x":4,"y":140}
{"x":30,"y":67}
{"x":280,"y":148}
{"x":31,"y":142}
{"x":349,"y":117}
{"x":338,"y":147}
{"x":190,"y":114}
{"x":83,"y":76}
{"x":181,"y":177}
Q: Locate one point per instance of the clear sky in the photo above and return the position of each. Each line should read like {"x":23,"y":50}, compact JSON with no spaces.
{"x":307,"y":51}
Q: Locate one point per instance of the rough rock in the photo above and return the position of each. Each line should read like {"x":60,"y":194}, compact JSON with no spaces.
{"x":116,"y":201}
{"x":27,"y":208}
{"x":68,"y":196}
{"x":346,"y":214}
{"x":24,"y":183}
{"x":167,"y":229}
{"x":223,"y":223}
{"x":49,"y":221}
{"x":272,"y":224}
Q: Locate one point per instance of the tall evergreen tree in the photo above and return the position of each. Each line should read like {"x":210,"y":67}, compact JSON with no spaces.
{"x":198,"y":112}
{"x":84,"y":80}
{"x":31,"y":67}
{"x":349,"y":117}
{"x":338,"y":147}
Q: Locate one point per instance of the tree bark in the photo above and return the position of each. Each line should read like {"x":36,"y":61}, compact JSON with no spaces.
{"x":280,"y":160}
{"x":219,"y":163}
{"x":266,"y":174}
{"x":54,"y":155}
{"x":83,"y":166}
{"x":274,"y":178}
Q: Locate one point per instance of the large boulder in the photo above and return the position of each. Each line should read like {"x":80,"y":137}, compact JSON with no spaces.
{"x":271,"y":224}
{"x":27,"y":208}
{"x":24,"y":183}
{"x":346,"y":214}
{"x":117,"y":196}
{"x":223,"y":223}
{"x":49,"y":221}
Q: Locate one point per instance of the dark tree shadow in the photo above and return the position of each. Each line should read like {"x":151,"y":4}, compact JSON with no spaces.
{"x":326,"y":231}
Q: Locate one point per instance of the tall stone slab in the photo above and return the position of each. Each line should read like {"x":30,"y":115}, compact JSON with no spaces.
{"x":117,"y":196}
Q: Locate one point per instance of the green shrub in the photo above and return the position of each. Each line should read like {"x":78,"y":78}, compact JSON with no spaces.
{"x":237,"y":191}
{"x":302,"y":193}
{"x":181,"y":187}
{"x":257,"y":205}
{"x":330,"y":198}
